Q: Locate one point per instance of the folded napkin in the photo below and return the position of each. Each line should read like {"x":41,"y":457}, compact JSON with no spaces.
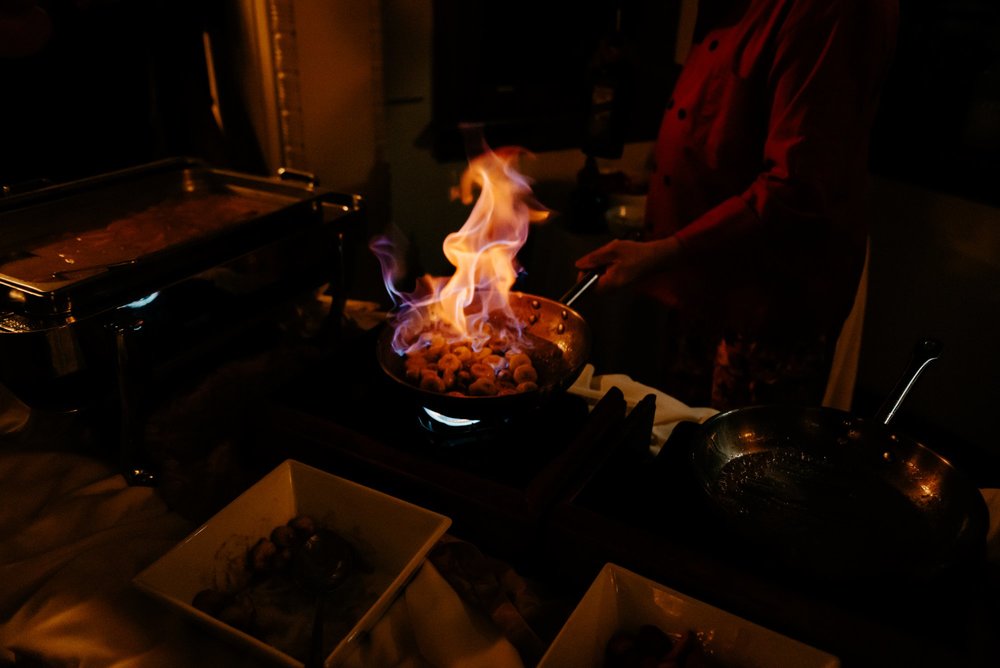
{"x":430,"y":626}
{"x":669,"y":411}
{"x":365,"y":315}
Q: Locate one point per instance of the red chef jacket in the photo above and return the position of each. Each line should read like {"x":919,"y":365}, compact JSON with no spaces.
{"x":761,"y":162}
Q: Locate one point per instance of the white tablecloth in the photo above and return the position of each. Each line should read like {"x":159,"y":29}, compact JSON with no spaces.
{"x":72,"y":536}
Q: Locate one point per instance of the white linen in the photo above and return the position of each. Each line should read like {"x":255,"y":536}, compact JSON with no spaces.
{"x":669,"y":410}
{"x":72,"y":535}
{"x":430,"y":625}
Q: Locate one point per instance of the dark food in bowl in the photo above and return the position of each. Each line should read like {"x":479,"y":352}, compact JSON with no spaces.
{"x":268,"y":601}
{"x":650,"y":647}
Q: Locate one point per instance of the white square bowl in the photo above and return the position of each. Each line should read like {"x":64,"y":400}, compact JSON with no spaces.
{"x":619,"y":599}
{"x":396,"y":535}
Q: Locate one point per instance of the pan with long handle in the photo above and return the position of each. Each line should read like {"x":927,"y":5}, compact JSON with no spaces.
{"x":551,"y":321}
{"x":838,"y":496}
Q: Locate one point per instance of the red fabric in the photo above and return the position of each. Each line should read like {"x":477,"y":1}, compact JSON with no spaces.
{"x":761,"y":160}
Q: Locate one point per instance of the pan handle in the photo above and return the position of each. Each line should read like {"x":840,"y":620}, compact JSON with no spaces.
{"x":925,"y":352}
{"x":581,"y":286}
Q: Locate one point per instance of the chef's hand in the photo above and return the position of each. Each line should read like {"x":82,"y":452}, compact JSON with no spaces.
{"x":625,"y":262}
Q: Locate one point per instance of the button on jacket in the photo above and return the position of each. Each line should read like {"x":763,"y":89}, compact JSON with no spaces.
{"x":761,"y":160}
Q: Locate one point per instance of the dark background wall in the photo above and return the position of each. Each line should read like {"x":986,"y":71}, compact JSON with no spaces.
{"x":935,"y":227}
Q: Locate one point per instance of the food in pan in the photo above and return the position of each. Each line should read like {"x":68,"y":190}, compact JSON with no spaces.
{"x":444,"y":367}
{"x":266,"y":598}
{"x":499,"y":368}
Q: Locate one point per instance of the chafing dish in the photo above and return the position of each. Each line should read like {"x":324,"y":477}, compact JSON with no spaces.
{"x":154,"y":267}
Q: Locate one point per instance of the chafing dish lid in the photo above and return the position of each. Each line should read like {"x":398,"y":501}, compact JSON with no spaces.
{"x":91,"y":240}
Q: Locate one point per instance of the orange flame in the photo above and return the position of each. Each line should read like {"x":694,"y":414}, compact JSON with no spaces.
{"x":484,"y":254}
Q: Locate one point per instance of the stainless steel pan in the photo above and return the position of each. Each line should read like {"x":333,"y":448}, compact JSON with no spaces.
{"x":550,"y":320}
{"x":838,"y":496}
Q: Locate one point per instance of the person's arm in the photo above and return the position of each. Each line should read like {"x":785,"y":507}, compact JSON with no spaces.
{"x":624,"y":261}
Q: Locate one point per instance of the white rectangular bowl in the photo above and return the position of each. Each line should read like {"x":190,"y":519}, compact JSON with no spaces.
{"x":399,"y":535}
{"x":619,"y":599}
